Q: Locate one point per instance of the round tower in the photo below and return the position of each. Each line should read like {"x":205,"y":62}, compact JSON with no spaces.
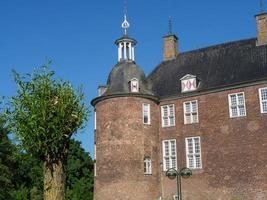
{"x":126,"y":132}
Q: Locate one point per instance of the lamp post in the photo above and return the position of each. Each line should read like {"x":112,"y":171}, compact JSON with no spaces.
{"x":173,"y":173}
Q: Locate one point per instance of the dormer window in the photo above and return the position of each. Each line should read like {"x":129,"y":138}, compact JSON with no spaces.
{"x":134,"y":85}
{"x":189,"y":83}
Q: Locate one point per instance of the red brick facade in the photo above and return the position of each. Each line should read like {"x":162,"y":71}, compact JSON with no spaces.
{"x":122,"y":143}
{"x":233,"y":150}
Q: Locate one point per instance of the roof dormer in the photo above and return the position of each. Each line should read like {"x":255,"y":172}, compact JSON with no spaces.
{"x":189,"y":83}
{"x":134,"y":85}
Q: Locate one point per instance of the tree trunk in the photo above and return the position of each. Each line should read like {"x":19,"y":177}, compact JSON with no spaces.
{"x":54,"y":181}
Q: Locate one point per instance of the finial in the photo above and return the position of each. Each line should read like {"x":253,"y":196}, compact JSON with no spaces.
{"x":170,"y":25}
{"x":125,"y":24}
{"x":261,"y":6}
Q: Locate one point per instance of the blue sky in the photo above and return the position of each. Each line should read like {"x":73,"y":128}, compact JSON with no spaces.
{"x":79,"y":35}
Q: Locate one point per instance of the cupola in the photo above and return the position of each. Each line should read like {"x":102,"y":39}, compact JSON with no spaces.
{"x":126,"y":77}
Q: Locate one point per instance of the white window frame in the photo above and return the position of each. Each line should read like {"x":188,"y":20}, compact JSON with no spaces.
{"x":194,"y":154}
{"x":191,"y":113}
{"x":147,"y":166}
{"x":169,"y":116}
{"x":170,"y":156}
{"x":95,"y":120}
{"x":237,"y":105}
{"x":148,"y":113}
{"x":134,"y":80}
{"x":262,"y":101}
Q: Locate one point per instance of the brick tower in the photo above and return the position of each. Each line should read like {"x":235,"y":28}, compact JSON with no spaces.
{"x":126,"y":131}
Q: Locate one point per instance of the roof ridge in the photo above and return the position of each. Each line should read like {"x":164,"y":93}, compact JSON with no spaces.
{"x":218,"y":46}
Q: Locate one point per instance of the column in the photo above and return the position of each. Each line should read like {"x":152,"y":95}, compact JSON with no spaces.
{"x":119,"y":52}
{"x":130,"y":51}
{"x":133,"y":53}
{"x":124,"y":48}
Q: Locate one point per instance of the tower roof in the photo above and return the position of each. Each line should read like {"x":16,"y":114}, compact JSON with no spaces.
{"x":120,"y":76}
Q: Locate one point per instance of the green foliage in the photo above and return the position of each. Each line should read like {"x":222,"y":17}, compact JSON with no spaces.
{"x":24,"y":179}
{"x":20,"y":194}
{"x":6,"y":162}
{"x":79,"y":173}
{"x":27,"y":177}
{"x":46,"y":113}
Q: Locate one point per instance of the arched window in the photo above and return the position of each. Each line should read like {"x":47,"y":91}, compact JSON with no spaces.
{"x":147,"y":165}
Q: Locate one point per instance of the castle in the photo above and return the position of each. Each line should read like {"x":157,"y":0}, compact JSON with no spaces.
{"x":204,"y":109}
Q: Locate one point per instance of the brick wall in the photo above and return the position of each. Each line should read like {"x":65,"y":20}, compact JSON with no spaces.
{"x":170,"y":47}
{"x":122,"y":142}
{"x":261,"y":21}
{"x":234,"y":150}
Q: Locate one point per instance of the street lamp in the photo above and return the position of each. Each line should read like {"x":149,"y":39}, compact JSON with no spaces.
{"x":172,"y":173}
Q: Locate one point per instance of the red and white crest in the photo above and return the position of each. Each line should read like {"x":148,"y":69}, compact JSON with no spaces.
{"x":188,"y":83}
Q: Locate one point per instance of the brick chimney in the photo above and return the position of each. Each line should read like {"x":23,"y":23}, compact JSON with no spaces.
{"x":261,"y":20}
{"x":170,"y":49}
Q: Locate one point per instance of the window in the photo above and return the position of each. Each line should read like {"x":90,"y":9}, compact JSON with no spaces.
{"x":237,"y":105}
{"x":168,"y":115}
{"x":189,"y":83}
{"x":146,"y":113}
{"x":190,"y":112}
{"x":134,"y":85}
{"x":147,"y":166}
{"x":193,"y":153}
{"x":95,"y":119}
{"x":263,"y":99}
{"x":169,"y":154}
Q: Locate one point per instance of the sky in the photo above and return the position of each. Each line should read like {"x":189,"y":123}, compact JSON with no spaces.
{"x":78,"y":36}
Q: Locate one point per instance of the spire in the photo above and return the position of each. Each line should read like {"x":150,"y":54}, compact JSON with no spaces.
{"x":125,"y":24}
{"x":125,"y":43}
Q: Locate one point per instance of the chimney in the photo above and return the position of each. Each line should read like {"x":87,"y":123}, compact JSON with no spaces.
{"x":261,"y":20}
{"x":170,"y":47}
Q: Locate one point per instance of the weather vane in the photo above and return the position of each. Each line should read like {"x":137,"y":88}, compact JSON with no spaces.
{"x":125,"y":24}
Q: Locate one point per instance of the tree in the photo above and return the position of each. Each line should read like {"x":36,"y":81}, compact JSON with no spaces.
{"x":5,"y":162}
{"x":45,"y":114}
{"x":27,"y":175}
{"x":79,"y":173}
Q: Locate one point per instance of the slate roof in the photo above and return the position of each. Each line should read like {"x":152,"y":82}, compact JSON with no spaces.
{"x":216,"y":67}
{"x":121,"y":74}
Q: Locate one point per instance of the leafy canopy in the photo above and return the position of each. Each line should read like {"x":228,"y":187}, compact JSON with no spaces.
{"x":46,"y":113}
{"x":6,"y":162}
{"x":80,"y":178}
